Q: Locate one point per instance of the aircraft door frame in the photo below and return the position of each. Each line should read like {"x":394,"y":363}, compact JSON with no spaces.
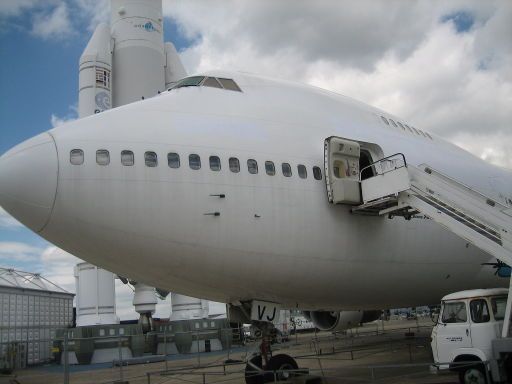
{"x":341,"y":166}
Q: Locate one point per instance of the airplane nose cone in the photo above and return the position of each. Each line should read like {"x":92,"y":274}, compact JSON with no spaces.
{"x":28,"y":181}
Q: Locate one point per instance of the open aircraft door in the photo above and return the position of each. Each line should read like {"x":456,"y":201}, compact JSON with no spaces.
{"x":341,"y":159}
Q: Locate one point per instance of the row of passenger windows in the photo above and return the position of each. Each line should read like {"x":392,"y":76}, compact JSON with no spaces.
{"x":194,"y":162}
{"x":404,"y":126}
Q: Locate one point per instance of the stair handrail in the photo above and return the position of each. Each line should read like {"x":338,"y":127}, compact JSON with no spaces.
{"x":387,"y":158}
{"x":488,"y":200}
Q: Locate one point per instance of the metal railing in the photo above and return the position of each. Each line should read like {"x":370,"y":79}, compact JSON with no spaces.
{"x":385,"y":160}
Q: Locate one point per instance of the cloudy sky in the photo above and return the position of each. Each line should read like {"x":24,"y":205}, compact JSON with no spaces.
{"x":445,"y":66}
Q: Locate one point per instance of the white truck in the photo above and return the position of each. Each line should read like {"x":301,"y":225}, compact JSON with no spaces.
{"x":467,"y":336}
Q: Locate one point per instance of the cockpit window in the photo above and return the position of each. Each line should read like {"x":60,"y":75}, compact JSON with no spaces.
{"x":212,"y":82}
{"x":203,"y":81}
{"x":230,"y":84}
{"x":193,"y":81}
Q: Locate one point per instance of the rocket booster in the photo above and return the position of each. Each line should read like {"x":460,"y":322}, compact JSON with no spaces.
{"x":128,"y":61}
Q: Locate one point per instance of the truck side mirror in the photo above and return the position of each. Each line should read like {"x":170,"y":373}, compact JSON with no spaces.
{"x":434,"y":316}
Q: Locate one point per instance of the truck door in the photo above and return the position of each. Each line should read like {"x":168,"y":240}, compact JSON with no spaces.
{"x":453,"y":330}
{"x":341,"y":160}
{"x":483,"y":330}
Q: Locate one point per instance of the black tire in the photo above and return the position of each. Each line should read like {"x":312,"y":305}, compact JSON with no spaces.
{"x":252,"y":375}
{"x":282,"y":362}
{"x":473,"y":375}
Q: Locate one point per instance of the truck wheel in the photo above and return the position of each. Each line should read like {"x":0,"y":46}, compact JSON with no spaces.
{"x":282,"y":362}
{"x":473,"y":375}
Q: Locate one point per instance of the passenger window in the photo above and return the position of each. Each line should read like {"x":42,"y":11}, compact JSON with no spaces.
{"x":252,"y":166}
{"x":454,"y":313}
{"x":127,"y":158}
{"x":400,"y":125}
{"x":150,"y":159}
{"x":212,"y":82}
{"x":317,"y":173}
{"x":287,"y":169}
{"x":173,"y":160}
{"x":234,"y":165}
{"x":214,"y":163}
{"x":102,"y":157}
{"x":270,"y":168}
{"x":409,"y":128}
{"x":385,"y":120}
{"x":303,"y":173}
{"x":230,"y":84}
{"x":76,"y":157}
{"x":194,"y":161}
{"x":392,"y":122}
{"x":479,"y":311}
{"x":498,"y":305}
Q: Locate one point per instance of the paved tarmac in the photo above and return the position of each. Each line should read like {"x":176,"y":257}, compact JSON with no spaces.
{"x":390,"y":352}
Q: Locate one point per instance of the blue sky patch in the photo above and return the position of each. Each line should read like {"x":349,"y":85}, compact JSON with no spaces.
{"x":462,"y":20}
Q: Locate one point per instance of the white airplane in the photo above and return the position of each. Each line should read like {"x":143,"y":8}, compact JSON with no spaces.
{"x":217,"y":189}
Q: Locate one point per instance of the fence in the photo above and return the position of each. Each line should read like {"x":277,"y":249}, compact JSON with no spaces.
{"x":317,"y":351}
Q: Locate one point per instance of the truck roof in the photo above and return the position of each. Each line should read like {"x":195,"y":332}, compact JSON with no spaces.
{"x":475,"y":293}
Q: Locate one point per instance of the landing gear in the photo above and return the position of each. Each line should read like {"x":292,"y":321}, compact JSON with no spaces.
{"x":263,"y":367}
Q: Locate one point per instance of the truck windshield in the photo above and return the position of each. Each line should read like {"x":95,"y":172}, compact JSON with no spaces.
{"x":454,"y":312}
{"x":498,"y":307}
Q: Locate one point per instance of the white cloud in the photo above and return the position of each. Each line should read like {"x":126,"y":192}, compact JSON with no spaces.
{"x":12,"y":252}
{"x":7,"y":221}
{"x":94,"y":11}
{"x":16,"y":7}
{"x":72,"y":115}
{"x":399,"y":56}
{"x":53,"y":23}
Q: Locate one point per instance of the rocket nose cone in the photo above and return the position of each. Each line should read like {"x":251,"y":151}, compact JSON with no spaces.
{"x":28,"y":181}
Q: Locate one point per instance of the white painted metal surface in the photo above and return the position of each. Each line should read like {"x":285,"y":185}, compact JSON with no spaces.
{"x":174,"y":69}
{"x":187,"y":308}
{"x":138,"y":59}
{"x":385,"y":184}
{"x":95,"y":74}
{"x":276,"y":238}
{"x":95,"y":296}
{"x":144,"y":298}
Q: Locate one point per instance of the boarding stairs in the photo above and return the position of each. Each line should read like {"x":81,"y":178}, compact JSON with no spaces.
{"x":400,"y":189}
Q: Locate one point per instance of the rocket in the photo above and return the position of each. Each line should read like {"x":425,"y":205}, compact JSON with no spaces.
{"x":128,"y":60}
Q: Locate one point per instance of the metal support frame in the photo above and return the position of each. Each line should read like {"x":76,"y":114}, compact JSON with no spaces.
{"x":506,"y":320}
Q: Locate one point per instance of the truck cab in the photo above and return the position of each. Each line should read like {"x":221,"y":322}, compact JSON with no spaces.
{"x":468,"y":323}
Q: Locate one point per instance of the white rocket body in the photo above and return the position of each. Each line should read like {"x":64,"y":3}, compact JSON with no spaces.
{"x":186,"y":308}
{"x":127,"y":61}
{"x":95,"y":76}
{"x":121,"y":64}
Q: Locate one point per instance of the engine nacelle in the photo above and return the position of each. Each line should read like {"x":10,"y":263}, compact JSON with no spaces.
{"x":339,"y":321}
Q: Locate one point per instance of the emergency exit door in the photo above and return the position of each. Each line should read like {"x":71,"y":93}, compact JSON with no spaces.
{"x":341,"y":158}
